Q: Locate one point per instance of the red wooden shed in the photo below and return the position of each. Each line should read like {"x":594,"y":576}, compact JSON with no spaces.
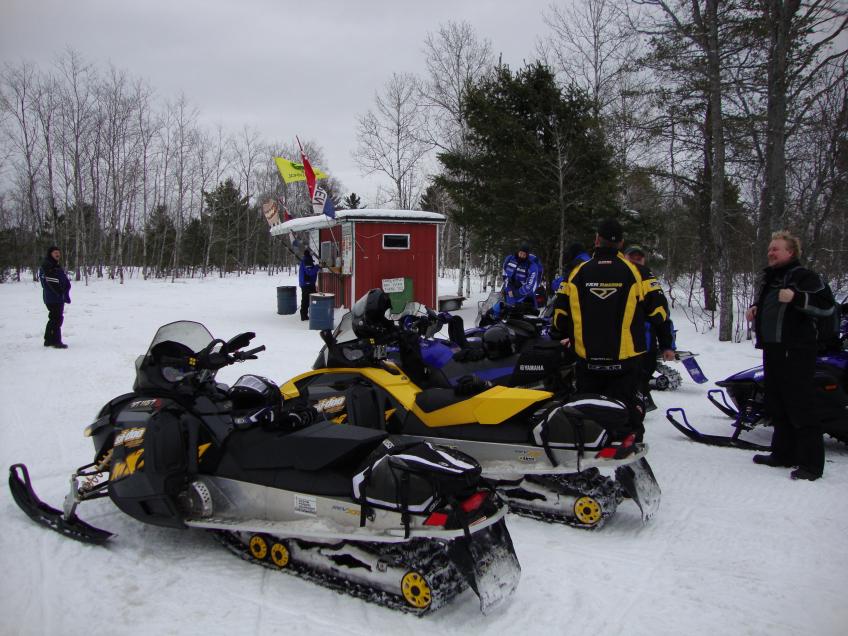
{"x":396,"y":250}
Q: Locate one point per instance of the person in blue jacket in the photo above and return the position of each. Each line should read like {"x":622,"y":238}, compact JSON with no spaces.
{"x":56,"y":291}
{"x":307,"y":276}
{"x":522,"y":273}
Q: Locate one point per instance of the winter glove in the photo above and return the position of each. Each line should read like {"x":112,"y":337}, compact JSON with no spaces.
{"x":67,"y":299}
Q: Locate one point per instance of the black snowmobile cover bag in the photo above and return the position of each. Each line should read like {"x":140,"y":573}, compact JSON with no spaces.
{"x":586,"y":421}
{"x":413,"y":477}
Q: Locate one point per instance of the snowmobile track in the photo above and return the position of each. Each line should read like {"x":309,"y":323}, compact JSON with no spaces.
{"x":425,"y":556}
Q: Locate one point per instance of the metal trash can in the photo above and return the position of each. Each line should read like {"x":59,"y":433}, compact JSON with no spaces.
{"x":286,"y":300}
{"x":321,"y":311}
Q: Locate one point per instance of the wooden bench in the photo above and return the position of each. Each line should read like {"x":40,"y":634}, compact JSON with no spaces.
{"x":450,"y":303}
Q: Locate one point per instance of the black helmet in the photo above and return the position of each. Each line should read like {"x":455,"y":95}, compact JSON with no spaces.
{"x":256,"y":400}
{"x":369,"y":315}
{"x":497,"y":342}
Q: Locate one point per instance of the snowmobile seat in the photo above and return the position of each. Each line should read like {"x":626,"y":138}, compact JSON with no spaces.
{"x":431,"y":400}
{"x":316,"y":447}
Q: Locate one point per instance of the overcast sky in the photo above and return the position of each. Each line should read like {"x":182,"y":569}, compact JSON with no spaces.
{"x":284,"y":68}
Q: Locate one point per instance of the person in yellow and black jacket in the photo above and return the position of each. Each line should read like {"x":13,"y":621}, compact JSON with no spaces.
{"x":600,"y":311}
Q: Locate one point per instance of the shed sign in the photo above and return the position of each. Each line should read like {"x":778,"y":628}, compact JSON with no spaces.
{"x":393,"y":285}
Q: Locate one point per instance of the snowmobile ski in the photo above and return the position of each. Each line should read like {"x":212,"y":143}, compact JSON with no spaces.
{"x":723,"y":406}
{"x":68,"y":525}
{"x":712,"y":440}
{"x":639,"y":483}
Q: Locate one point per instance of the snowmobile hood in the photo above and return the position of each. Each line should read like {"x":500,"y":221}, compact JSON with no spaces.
{"x":754,"y":374}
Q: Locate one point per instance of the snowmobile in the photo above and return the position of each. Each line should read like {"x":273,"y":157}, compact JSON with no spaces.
{"x":405,"y":525}
{"x":746,"y":403}
{"x":515,"y":351}
{"x":546,"y":455}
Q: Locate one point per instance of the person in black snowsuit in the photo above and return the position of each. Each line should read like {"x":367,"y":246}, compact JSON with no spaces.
{"x":600,"y":311}
{"x":307,"y":276}
{"x":56,"y":291}
{"x":789,"y":299}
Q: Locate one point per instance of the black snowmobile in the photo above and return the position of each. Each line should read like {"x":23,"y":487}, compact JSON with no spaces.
{"x":546,"y":454}
{"x":405,"y":525}
{"x":746,"y":403}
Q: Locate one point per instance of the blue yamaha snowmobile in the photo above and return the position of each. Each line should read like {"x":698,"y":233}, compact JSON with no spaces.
{"x":742,"y":398}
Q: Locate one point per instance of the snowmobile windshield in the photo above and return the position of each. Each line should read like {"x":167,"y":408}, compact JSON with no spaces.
{"x":344,"y":332}
{"x":485,"y":306}
{"x":186,"y":332}
{"x":412,"y":308}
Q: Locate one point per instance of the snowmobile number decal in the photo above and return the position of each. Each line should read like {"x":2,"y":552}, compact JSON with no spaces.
{"x":330,"y":404}
{"x":130,"y":437}
{"x":305,"y":505}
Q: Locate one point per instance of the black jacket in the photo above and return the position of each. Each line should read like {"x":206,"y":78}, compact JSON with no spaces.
{"x":56,"y":287}
{"x":603,"y":307}
{"x":792,"y":324}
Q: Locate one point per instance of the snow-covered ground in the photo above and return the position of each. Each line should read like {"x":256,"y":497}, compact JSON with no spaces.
{"x":735,"y":548}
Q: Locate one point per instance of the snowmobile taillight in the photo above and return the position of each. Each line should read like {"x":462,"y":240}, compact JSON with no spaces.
{"x":830,"y":387}
{"x":474,"y":501}
{"x":620,"y":451}
{"x":436,"y":519}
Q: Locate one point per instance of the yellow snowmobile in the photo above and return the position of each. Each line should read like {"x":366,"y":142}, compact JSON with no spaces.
{"x":548,"y":457}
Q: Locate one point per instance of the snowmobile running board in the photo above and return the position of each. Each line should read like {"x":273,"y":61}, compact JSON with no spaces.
{"x":692,"y":433}
{"x":70,"y":526}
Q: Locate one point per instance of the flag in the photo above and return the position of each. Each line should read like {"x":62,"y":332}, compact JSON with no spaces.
{"x":292,"y":172}
{"x":286,"y":215}
{"x":323,"y":204}
{"x":309,"y":174}
{"x":271,"y":212}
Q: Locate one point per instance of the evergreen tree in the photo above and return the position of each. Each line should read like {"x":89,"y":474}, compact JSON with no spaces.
{"x":351,"y":202}
{"x":539,"y":169}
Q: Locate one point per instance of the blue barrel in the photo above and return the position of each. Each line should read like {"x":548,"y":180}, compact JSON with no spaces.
{"x":286,"y":300}
{"x":321,"y":311}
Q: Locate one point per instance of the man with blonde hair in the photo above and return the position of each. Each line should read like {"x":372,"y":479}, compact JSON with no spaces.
{"x":789,"y":299}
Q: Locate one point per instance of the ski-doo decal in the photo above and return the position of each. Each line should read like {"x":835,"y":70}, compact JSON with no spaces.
{"x":332,"y":404}
{"x":130,"y":437}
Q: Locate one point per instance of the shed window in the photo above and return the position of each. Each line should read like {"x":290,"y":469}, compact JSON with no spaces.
{"x":395,"y":241}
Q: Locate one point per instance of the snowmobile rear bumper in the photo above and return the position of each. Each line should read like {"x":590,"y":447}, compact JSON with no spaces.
{"x":68,"y":525}
{"x":714,"y":440}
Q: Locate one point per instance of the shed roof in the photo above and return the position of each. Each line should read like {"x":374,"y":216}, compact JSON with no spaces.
{"x":319,"y":221}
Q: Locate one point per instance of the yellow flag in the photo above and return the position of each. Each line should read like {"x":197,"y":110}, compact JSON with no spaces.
{"x":291,"y":171}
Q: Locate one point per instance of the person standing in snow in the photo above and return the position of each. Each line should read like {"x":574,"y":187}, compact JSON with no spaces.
{"x":307,"y":276}
{"x":600,"y":311}
{"x":522,"y":272}
{"x":789,"y":299}
{"x":56,"y":291}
